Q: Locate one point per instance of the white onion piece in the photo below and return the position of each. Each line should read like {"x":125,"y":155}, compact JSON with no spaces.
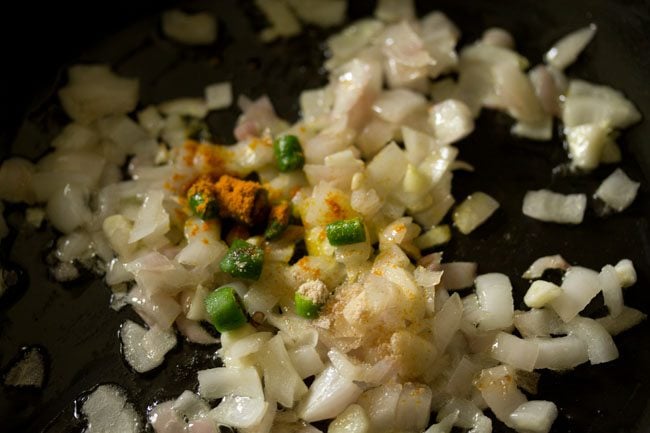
{"x":447,"y":321}
{"x":586,"y":143}
{"x":281,"y":381}
{"x":538,"y":323}
{"x":546,"y":89}
{"x":204,"y":425}
{"x":74,"y":246}
{"x":29,"y":370}
{"x":387,"y":168}
{"x":380,"y":404}
{"x":151,"y":120}
{"x":351,"y":420}
{"x":395,"y":10}
{"x":283,"y":22}
{"x":498,"y":37}
{"x":451,"y":121}
{"x":579,"y":287}
{"x":467,"y":413}
{"x":397,"y":104}
{"x":223,"y":381}
{"x":494,"y":293}
{"x":94,"y":91}
{"x":600,"y":346}
{"x":413,"y":407}
{"x":76,"y":136}
{"x":107,"y":411}
{"x":145,"y":349}
{"x":191,"y":29}
{"x":545,"y":205}
{"x":566,"y":50}
{"x":190,"y":406}
{"x":516,"y":94}
{"x":157,"y":309}
{"x":218,"y":96}
{"x":499,"y":390}
{"x":560,"y":353}
{"x":306,"y":360}
{"x":610,"y":285}
{"x":539,"y":266}
{"x":239,"y":412}
{"x":514,"y":351}
{"x":618,"y":191}
{"x":587,"y":103}
{"x":67,"y":209}
{"x":164,"y":419}
{"x":16,"y":180}
{"x":328,"y":396}
{"x":540,"y":131}
{"x":195,"y":107}
{"x":628,"y":318}
{"x":153,"y":220}
{"x":324,"y":13}
{"x":474,"y":211}
{"x":626,"y":272}
{"x":541,"y":293}
{"x":458,"y":275}
{"x":194,"y":332}
{"x":460,"y":382}
{"x":244,"y":346}
{"x":535,"y":416}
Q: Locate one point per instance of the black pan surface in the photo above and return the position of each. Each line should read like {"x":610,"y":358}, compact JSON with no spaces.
{"x":78,"y":333}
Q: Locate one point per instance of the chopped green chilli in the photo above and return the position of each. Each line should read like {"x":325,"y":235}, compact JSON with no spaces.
{"x":203,"y":205}
{"x":243,"y":260}
{"x":224,"y":309}
{"x":278,"y":220}
{"x":345,"y":232}
{"x":305,"y":307}
{"x":288,"y":153}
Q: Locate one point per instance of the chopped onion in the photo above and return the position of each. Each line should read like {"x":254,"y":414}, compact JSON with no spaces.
{"x":218,"y":96}
{"x":351,"y":420}
{"x":194,"y":332}
{"x":152,"y":221}
{"x":145,"y":349}
{"x":494,"y":293}
{"x":192,"y":29}
{"x":600,"y":346}
{"x":539,"y":266}
{"x":538,"y":323}
{"x":545,"y":205}
{"x":460,"y":382}
{"x":586,"y":143}
{"x":451,"y":121}
{"x":626,"y":272}
{"x":541,"y":293}
{"x":466,"y":412}
{"x":579,"y":287}
{"x":628,"y":318}
{"x":395,"y":10}
{"x":328,"y":396}
{"x":283,"y":21}
{"x":514,"y":351}
{"x":397,"y":104}
{"x":324,"y":13}
{"x":413,"y":407}
{"x":534,"y":416}
{"x":281,"y":381}
{"x":190,"y":406}
{"x":107,"y":411}
{"x":566,"y":50}
{"x":474,"y":211}
{"x":164,"y":419}
{"x":380,"y":404}
{"x":447,"y":322}
{"x":610,"y":285}
{"x":239,"y":412}
{"x":617,"y":191}
{"x":498,"y":37}
{"x":500,"y":392}
{"x":195,"y":107}
{"x":67,"y":209}
{"x":151,"y":120}
{"x":560,"y":353}
{"x":458,"y":275}
{"x":230,"y":381}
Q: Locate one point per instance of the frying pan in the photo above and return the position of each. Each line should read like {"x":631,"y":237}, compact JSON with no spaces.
{"x":72,"y":323}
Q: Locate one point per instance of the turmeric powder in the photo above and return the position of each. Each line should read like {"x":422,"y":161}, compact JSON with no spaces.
{"x":244,"y":201}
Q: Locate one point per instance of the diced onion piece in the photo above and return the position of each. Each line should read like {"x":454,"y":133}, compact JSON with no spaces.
{"x":191,"y":29}
{"x":451,"y":121}
{"x":433,"y":237}
{"x":324,"y":13}
{"x":538,"y":323}
{"x":628,"y":318}
{"x":610,"y":285}
{"x":579,"y":287}
{"x":541,"y":131}
{"x":93,"y":91}
{"x":566,"y":50}
{"x":76,"y":137}
{"x":306,"y":360}
{"x":195,"y":107}
{"x":16,"y":180}
{"x":239,"y":412}
{"x":447,"y":321}
{"x":494,"y":293}
{"x":190,"y":406}
{"x":395,"y":10}
{"x":145,"y":349}
{"x":458,"y":275}
{"x":281,"y":381}
{"x":541,"y":293}
{"x":516,"y":94}
{"x":549,"y":206}
{"x":67,"y":209}
{"x":539,"y":266}
{"x":413,"y":407}
{"x":600,"y":346}
{"x":461,"y":379}
{"x":152,"y":220}
{"x":499,"y":390}
{"x":618,"y":191}
{"x":395,"y":105}
{"x":585,"y":144}
{"x":151,"y":120}
{"x":380,"y":404}
{"x":560,"y":353}
{"x":328,"y":396}
{"x":467,"y":413}
{"x":283,"y":21}
{"x":474,"y":211}
{"x":218,"y":96}
{"x":498,"y":37}
{"x":626,"y":272}
{"x":587,"y":103}
{"x":387,"y":168}
{"x":107,"y":411}
{"x":535,"y":416}
{"x":514,"y":351}
{"x":351,"y":420}
{"x":222,"y":381}
{"x":164,"y":419}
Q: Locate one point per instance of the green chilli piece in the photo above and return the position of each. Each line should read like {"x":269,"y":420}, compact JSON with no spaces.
{"x":288,"y":153}
{"x":278,"y":220}
{"x":224,"y":309}
{"x":305,"y":307}
{"x":243,"y":260}
{"x":346,"y":232}
{"x":203,"y":205}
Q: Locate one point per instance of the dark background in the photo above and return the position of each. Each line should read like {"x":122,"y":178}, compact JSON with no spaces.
{"x":77,"y":331}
